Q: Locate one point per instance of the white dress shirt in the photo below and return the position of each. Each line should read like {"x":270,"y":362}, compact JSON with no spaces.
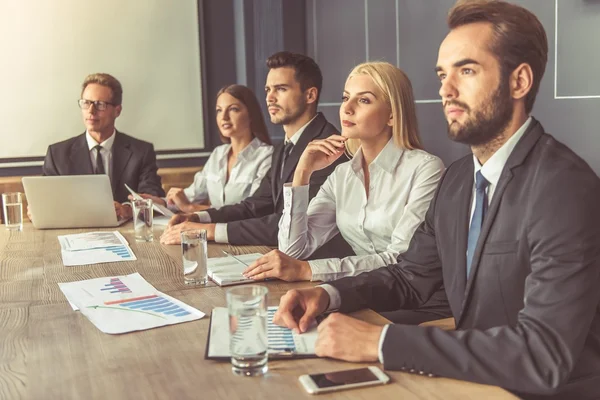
{"x":402,"y":184}
{"x":491,"y":171}
{"x":249,"y":169}
{"x":221,"y":228}
{"x":105,"y":152}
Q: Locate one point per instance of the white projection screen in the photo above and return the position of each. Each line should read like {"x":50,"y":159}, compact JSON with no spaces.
{"x":47,"y":47}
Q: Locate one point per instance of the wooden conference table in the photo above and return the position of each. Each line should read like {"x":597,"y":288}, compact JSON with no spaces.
{"x":49,"y":351}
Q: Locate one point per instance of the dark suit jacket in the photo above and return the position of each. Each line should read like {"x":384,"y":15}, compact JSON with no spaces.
{"x":528,"y":318}
{"x":255,"y":220}
{"x":133,"y":163}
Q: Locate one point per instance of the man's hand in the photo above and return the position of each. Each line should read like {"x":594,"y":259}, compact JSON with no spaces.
{"x":299,"y":307}
{"x":172,"y":235}
{"x":349,"y":339}
{"x":177,"y":196}
{"x":276,"y":264}
{"x":29,"y":215}
{"x":180,"y":218}
{"x":123,"y":210}
{"x":155,"y":199}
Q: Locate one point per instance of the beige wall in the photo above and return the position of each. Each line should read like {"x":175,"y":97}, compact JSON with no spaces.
{"x":47,"y":47}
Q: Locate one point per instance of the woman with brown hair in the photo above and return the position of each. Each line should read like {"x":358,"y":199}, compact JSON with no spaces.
{"x":235,"y":169}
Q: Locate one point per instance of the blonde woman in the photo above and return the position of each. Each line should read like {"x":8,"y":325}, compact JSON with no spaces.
{"x":376,"y":200}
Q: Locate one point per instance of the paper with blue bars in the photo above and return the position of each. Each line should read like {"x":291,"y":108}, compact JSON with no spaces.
{"x":126,"y":303}
{"x":94,"y":247}
{"x":282,"y":342}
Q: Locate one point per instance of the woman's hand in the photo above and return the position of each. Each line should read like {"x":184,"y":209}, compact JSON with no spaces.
{"x":177,"y":196}
{"x":318,"y":154}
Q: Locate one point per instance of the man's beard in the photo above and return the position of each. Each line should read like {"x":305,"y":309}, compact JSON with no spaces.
{"x":488,"y":122}
{"x":288,"y":116}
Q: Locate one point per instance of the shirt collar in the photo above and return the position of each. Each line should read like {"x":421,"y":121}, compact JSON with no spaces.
{"x":248,"y":151}
{"x":296,"y":136}
{"x":492,"y":169}
{"x":107,"y":144}
{"x":387,"y":159}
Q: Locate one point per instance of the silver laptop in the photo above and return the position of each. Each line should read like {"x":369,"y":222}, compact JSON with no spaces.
{"x":73,"y":201}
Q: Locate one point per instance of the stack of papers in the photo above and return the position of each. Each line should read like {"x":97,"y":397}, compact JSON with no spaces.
{"x":94,"y":247}
{"x":228,"y":270}
{"x":282,"y":342}
{"x":127,"y":303}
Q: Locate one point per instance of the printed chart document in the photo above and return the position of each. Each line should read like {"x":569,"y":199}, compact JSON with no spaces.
{"x":156,"y":207}
{"x":128,"y":303}
{"x":283,"y":342}
{"x":94,"y":247}
{"x":228,"y":270}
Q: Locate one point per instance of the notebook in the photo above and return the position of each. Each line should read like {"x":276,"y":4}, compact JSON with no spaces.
{"x":228,"y":270}
{"x":282,"y":342}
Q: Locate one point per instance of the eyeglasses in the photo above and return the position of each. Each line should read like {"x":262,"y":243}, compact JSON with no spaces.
{"x":98,"y":105}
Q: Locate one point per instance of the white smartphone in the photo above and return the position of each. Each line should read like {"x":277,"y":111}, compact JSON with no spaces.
{"x":341,"y":380}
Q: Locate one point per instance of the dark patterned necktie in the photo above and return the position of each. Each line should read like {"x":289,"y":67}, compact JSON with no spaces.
{"x":287,"y":149}
{"x":99,"y":163}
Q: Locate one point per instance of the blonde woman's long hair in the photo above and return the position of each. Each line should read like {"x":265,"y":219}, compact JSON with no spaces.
{"x":398,"y":93}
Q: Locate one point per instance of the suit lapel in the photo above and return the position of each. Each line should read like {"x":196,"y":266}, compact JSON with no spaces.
{"x":80,"y":156}
{"x":275,"y":170}
{"x":312,"y":130}
{"x":121,"y":153}
{"x":516,"y":158}
{"x":460,"y":230}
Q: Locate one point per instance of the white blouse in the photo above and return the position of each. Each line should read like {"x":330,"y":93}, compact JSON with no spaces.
{"x":211,"y":184}
{"x":402,"y":184}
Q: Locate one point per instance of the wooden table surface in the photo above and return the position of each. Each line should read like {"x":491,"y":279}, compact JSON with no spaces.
{"x":49,"y":351}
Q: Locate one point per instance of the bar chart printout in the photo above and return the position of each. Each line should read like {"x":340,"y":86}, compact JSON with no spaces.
{"x":281,"y":341}
{"x":126,"y":303}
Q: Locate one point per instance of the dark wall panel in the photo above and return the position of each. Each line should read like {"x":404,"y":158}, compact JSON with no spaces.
{"x":340,"y":40}
{"x":572,"y":116}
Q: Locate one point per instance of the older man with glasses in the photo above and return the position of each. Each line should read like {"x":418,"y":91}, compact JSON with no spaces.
{"x":101,"y":149}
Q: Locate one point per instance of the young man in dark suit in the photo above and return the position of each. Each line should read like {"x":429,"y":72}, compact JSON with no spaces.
{"x":513,"y":233}
{"x":292,"y":91}
{"x":101,"y":149}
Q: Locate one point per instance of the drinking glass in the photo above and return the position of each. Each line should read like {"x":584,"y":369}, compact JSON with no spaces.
{"x":13,"y":211}
{"x":248,"y":341}
{"x":195,"y":261}
{"x":142,"y":220}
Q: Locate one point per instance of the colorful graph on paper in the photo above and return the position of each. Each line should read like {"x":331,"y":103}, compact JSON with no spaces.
{"x":152,"y":304}
{"x":119,"y":304}
{"x":115,"y":286}
{"x":121,"y":251}
{"x":281,"y":342}
{"x":280,"y":338}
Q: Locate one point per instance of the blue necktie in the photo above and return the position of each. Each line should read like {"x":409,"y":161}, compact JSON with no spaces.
{"x":481,"y":203}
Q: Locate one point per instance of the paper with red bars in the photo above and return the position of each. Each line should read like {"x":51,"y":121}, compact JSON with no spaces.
{"x":126,"y":303}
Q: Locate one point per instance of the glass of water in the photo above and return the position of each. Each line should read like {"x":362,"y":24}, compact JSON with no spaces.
{"x":13,"y":211}
{"x":195,"y":259}
{"x":142,"y":220}
{"x":248,"y":329}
